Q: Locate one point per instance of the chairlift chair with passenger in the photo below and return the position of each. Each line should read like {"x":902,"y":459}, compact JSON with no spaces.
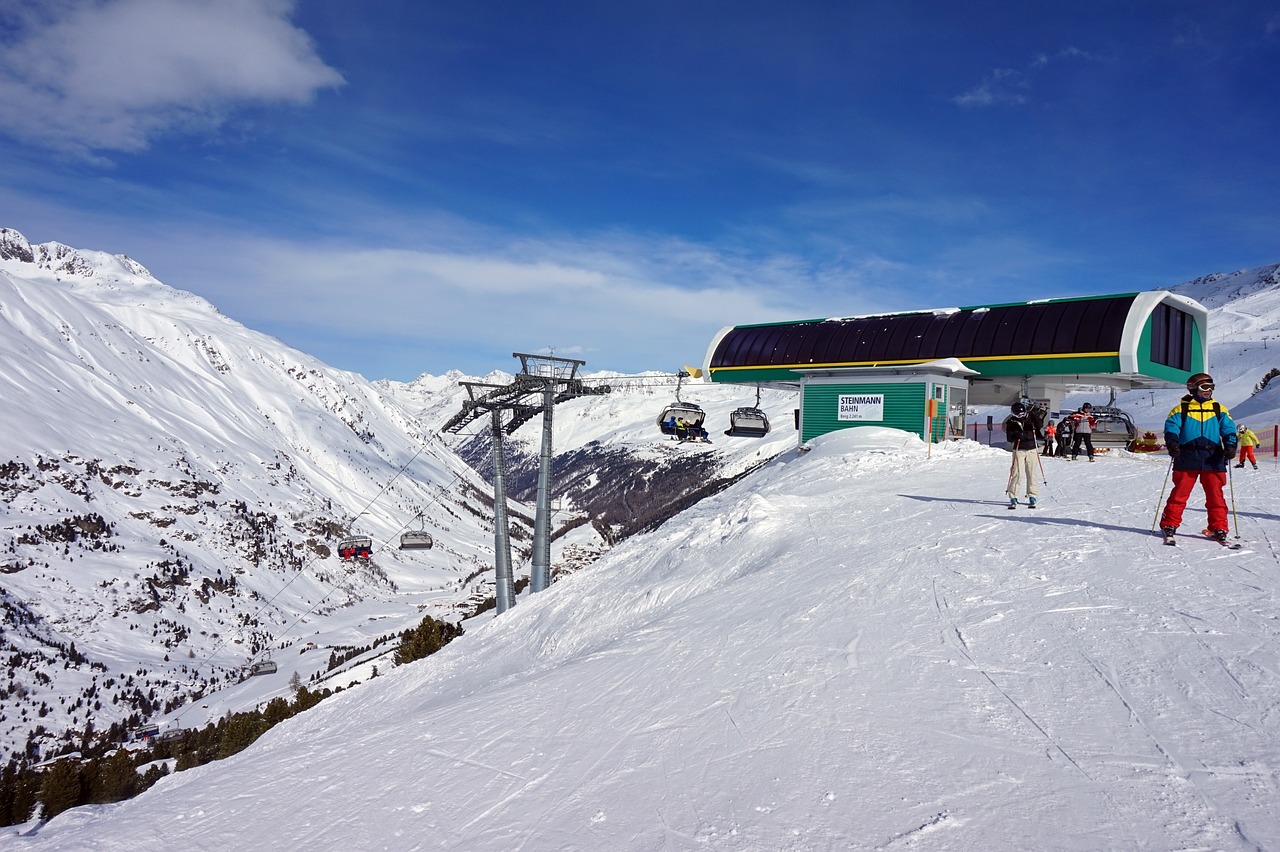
{"x":144,"y":732}
{"x":691,"y":414}
{"x":355,"y":547}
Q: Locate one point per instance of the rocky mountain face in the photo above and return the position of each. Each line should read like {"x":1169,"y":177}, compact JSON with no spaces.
{"x":610,"y":461}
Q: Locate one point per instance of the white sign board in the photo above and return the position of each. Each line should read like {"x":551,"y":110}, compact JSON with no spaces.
{"x":861,"y":406}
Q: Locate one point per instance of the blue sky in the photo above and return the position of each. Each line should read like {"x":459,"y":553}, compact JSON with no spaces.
{"x":400,"y":188}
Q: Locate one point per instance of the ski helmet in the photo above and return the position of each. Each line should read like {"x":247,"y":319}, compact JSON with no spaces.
{"x":1018,"y":408}
{"x":1193,"y":383}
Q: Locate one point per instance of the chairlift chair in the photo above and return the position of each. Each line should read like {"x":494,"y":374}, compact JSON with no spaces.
{"x":1113,"y":429}
{"x":262,"y":667}
{"x":145,"y":732}
{"x":416,"y":540}
{"x":749,"y":421}
{"x":686,"y":411}
{"x":691,"y":414}
{"x":355,"y":547}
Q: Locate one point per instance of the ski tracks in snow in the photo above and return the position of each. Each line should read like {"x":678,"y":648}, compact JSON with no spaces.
{"x":956,"y":638}
{"x":1009,"y":602}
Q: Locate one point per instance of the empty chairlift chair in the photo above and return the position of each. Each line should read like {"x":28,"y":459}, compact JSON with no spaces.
{"x":262,"y":667}
{"x":355,"y":547}
{"x":418,"y":539}
{"x":750,"y":421}
{"x":1114,"y":428}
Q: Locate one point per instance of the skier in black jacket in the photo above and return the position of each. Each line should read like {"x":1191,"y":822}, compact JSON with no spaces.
{"x":1022,"y":429}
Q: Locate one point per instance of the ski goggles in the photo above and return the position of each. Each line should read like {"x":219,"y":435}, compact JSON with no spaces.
{"x":1205,"y":386}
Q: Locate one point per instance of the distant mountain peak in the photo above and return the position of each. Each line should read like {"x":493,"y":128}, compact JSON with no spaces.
{"x":1221,"y":288}
{"x":65,"y":261}
{"x":14,"y":246}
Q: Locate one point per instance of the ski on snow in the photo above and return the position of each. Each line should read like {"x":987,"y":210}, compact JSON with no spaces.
{"x":1229,"y":545}
{"x":1171,"y":539}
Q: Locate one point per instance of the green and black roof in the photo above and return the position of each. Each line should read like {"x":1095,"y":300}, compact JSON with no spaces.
{"x":1153,"y":335}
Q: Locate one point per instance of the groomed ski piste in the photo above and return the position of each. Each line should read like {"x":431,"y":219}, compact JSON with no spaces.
{"x":857,"y":647}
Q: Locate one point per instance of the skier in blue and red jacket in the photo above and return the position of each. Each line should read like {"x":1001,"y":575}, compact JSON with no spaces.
{"x":1201,"y":437}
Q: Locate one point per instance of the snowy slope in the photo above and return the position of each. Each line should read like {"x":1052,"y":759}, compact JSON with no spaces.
{"x":857,"y":648}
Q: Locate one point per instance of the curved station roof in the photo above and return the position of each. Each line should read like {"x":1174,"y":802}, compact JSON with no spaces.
{"x":1125,"y":340}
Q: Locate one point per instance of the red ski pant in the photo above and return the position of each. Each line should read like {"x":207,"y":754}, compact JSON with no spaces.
{"x":1246,"y":455}
{"x":1212,"y":481}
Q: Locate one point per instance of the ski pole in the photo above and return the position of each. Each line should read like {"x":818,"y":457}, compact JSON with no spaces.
{"x":1040,"y":461}
{"x":1235,"y":519}
{"x":1163,"y":486}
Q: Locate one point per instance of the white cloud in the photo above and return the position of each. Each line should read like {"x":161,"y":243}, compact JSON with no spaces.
{"x":621,"y":302}
{"x":108,"y":76}
{"x":1001,"y":86}
{"x":1011,"y":87}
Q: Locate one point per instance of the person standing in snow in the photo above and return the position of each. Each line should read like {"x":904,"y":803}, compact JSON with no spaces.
{"x":1201,"y":437}
{"x":1022,"y":428}
{"x":1049,"y":433}
{"x":1248,"y":440}
{"x":1082,"y":423}
{"x":1064,"y":437}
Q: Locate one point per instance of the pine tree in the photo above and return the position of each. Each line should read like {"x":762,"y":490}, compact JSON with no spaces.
{"x":277,"y":710}
{"x":115,"y":778}
{"x":425,"y":639}
{"x":19,"y":786}
{"x":152,"y":775}
{"x":60,"y":789}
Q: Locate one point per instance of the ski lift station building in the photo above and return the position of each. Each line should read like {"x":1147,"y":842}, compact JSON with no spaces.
{"x":895,"y":369}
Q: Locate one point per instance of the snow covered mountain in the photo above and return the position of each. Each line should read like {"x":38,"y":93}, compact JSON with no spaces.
{"x":172,"y":487}
{"x":841,"y":649}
